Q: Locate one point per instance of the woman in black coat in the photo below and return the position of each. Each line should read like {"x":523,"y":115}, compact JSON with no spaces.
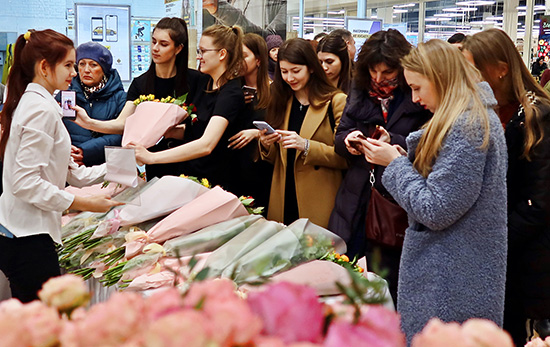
{"x":380,"y":96}
{"x":524,"y":110}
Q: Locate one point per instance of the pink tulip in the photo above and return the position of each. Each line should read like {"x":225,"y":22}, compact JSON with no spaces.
{"x":289,"y":311}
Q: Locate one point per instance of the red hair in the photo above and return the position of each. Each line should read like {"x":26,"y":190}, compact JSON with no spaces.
{"x":47,"y":45}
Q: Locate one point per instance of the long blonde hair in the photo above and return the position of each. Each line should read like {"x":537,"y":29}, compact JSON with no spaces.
{"x":454,"y":80}
{"x":493,"y":46}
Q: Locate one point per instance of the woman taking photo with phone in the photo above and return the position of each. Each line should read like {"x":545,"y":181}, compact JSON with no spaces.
{"x":254,"y":175}
{"x":305,"y":109}
{"x":334,"y":57}
{"x":452,"y":183}
{"x":168,"y":75}
{"x":524,"y":110}
{"x":36,"y":150}
{"x":219,"y":101}
{"x":380,"y":97}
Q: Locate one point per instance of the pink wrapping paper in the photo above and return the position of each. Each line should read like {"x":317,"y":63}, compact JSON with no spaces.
{"x":94,"y":190}
{"x":165,"y":196}
{"x":160,"y":279}
{"x":150,"y":121}
{"x":212,"y":207}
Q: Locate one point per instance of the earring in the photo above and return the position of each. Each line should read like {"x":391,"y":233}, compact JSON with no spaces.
{"x":500,"y":77}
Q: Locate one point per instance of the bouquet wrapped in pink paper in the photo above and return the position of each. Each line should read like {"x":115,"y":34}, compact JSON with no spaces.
{"x":209,"y":238}
{"x":296,"y":244}
{"x":165,"y":196}
{"x":224,"y":258}
{"x":214,"y":206}
{"x":150,"y":121}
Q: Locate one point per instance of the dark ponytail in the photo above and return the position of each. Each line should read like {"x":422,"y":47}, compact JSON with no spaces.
{"x":30,"y":49}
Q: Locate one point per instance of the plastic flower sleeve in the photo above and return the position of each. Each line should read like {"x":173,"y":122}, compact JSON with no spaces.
{"x":167,"y":195}
{"x":296,"y":244}
{"x":150,"y":121}
{"x":209,"y":238}
{"x":234,"y":249}
{"x":214,"y":206}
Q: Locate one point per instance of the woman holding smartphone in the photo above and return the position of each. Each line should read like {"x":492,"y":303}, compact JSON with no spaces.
{"x":305,"y":109}
{"x":36,"y":150}
{"x":168,"y":75}
{"x":219,"y":101}
{"x":254,"y":175}
{"x":452,"y":183}
{"x":380,"y":97}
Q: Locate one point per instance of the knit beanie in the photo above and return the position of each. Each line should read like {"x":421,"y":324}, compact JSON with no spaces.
{"x":96,"y":52}
{"x":273,"y":41}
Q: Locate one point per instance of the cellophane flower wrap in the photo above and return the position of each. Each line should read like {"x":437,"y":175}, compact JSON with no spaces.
{"x":209,"y":238}
{"x":149,"y":122}
{"x":296,"y":244}
{"x":225,"y":258}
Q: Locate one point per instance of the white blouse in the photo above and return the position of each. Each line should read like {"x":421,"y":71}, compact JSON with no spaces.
{"x":37,"y":164}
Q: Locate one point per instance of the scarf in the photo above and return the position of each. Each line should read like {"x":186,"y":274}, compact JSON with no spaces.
{"x":89,"y":90}
{"x":383,"y":93}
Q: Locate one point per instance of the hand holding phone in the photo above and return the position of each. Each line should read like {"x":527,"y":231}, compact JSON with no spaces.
{"x":247,"y":90}
{"x":260,"y":124}
{"x":68,"y":100}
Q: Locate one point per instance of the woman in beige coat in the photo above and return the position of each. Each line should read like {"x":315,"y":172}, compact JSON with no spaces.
{"x":305,"y":109}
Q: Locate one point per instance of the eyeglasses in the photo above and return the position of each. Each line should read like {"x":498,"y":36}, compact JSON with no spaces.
{"x":200,"y":52}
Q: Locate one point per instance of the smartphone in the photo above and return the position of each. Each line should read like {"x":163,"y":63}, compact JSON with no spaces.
{"x":97,"y":29}
{"x":260,"y":124}
{"x":68,"y":99}
{"x":376,"y":133}
{"x":111,"y":28}
{"x":249,"y":90}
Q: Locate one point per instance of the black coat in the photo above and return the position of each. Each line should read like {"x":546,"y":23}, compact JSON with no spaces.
{"x":529,"y":219}
{"x":362,"y":113}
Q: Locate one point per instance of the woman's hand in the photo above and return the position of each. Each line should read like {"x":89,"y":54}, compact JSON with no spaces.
{"x":290,"y":139}
{"x":175,"y":132}
{"x":248,"y":98}
{"x":243,"y":138}
{"x":77,"y":155}
{"x":82,"y":117}
{"x":381,"y":153}
{"x":267,"y":140}
{"x":94,"y":203}
{"x":143,"y":156}
{"x":384,"y":135}
{"x":353,"y":136}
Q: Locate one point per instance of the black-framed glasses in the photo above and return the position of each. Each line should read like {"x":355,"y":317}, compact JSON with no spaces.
{"x":200,"y":51}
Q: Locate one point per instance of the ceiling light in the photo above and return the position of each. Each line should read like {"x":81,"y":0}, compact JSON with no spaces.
{"x":449,"y":14}
{"x":460,"y":9}
{"x":395,"y":10}
{"x":475,"y":3}
{"x":402,"y":6}
{"x":495,"y":18}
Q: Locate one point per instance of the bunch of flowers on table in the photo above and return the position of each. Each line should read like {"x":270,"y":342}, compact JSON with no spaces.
{"x":282,"y":314}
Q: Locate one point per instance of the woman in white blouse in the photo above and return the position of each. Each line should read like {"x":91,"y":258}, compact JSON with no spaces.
{"x":37,"y":163}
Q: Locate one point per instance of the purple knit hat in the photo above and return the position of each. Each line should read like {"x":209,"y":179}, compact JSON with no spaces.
{"x":273,"y":41}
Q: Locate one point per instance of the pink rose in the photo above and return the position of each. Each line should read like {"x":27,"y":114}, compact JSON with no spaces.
{"x":289,"y":311}
{"x":436,"y":333}
{"x":213,"y":290}
{"x":485,"y":333}
{"x":65,"y":293}
{"x":184,"y":328}
{"x":162,"y":303}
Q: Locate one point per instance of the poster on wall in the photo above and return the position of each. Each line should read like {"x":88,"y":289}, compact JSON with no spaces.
{"x":263,"y":17}
{"x":108,"y":25}
{"x":141,"y":41}
{"x":543,"y":47}
{"x":361,"y":29}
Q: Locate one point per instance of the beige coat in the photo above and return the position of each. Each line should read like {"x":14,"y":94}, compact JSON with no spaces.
{"x":319,"y":175}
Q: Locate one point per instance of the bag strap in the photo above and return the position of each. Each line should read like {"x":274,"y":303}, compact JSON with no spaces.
{"x":331,"y":119}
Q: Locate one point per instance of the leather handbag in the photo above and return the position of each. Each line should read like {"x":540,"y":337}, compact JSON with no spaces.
{"x":386,"y":221}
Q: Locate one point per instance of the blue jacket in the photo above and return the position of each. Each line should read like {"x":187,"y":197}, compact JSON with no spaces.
{"x":453,"y":264}
{"x":104,"y":104}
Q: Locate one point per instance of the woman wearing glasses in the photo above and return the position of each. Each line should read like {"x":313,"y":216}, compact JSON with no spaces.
{"x":219,"y":100}
{"x":168,"y":75}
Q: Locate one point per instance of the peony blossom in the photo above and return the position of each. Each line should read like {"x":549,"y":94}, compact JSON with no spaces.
{"x":184,"y":328}
{"x":65,"y":293}
{"x":289,"y":311}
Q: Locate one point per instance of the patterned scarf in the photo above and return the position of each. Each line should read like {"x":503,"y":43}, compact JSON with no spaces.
{"x":89,"y":90}
{"x":383,"y":93}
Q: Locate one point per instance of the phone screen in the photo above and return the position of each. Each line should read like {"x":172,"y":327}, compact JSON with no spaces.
{"x":68,"y":99}
{"x":111,"y":28}
{"x":97,"y":29}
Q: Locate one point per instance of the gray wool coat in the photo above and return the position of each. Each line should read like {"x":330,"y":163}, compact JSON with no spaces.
{"x":453,"y":264}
